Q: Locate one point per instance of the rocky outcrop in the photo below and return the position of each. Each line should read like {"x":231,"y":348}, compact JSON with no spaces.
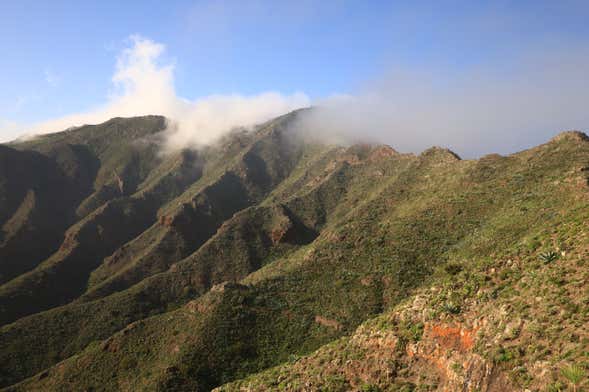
{"x":571,"y":135}
{"x":447,"y":349}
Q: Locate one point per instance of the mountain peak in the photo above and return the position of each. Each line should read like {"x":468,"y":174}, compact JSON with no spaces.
{"x":440,"y":154}
{"x":572,"y":135}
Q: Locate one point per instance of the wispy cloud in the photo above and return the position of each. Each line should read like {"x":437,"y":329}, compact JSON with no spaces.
{"x":10,"y":129}
{"x":143,"y":85}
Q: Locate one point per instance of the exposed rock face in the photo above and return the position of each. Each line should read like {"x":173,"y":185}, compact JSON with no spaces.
{"x":120,"y":183}
{"x":282,"y":231}
{"x":571,"y":135}
{"x":166,"y":220}
{"x":381,"y":153}
{"x":449,"y":350}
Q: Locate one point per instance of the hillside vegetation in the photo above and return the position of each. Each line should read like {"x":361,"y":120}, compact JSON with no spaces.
{"x":270,"y":262}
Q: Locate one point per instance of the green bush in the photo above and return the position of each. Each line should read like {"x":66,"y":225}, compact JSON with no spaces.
{"x":548,"y":257}
{"x":370,"y":388}
{"x":452,"y":308}
{"x":574,"y":374}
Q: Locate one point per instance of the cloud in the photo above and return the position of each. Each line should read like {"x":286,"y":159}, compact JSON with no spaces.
{"x":217,"y":114}
{"x":143,"y":85}
{"x":474,"y":113}
{"x":504,"y":108}
{"x":10,"y":129}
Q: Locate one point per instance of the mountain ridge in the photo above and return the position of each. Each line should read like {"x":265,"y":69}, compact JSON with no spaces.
{"x":315,"y":241}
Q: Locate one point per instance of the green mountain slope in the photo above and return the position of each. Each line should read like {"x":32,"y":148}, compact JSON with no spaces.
{"x":348,"y":267}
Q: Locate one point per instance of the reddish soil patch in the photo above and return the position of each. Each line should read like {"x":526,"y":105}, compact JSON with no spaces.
{"x":452,"y":338}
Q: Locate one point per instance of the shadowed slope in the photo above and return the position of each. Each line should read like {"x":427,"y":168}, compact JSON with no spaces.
{"x":35,"y":208}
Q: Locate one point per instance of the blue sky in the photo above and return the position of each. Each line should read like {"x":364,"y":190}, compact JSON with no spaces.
{"x":59,"y":56}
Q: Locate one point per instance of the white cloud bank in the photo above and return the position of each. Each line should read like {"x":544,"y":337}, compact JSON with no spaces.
{"x":144,"y":86}
{"x":474,"y":113}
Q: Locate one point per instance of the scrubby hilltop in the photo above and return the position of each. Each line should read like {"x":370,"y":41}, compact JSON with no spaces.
{"x":269,"y":262}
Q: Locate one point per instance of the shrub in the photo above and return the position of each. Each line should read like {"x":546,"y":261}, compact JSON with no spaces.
{"x":502,"y":355}
{"x":548,"y":257}
{"x":555,"y":387}
{"x":452,"y":308}
{"x":574,"y":374}
{"x":370,"y":388}
{"x":452,"y":268}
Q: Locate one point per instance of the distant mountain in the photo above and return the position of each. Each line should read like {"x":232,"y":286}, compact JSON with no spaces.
{"x":269,"y":262}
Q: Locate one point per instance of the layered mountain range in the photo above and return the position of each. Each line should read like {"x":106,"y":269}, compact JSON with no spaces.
{"x":270,"y":261}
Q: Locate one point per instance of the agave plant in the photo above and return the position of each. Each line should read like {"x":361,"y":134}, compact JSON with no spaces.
{"x":548,"y":257}
{"x":450,"y":307}
{"x":574,"y":374}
